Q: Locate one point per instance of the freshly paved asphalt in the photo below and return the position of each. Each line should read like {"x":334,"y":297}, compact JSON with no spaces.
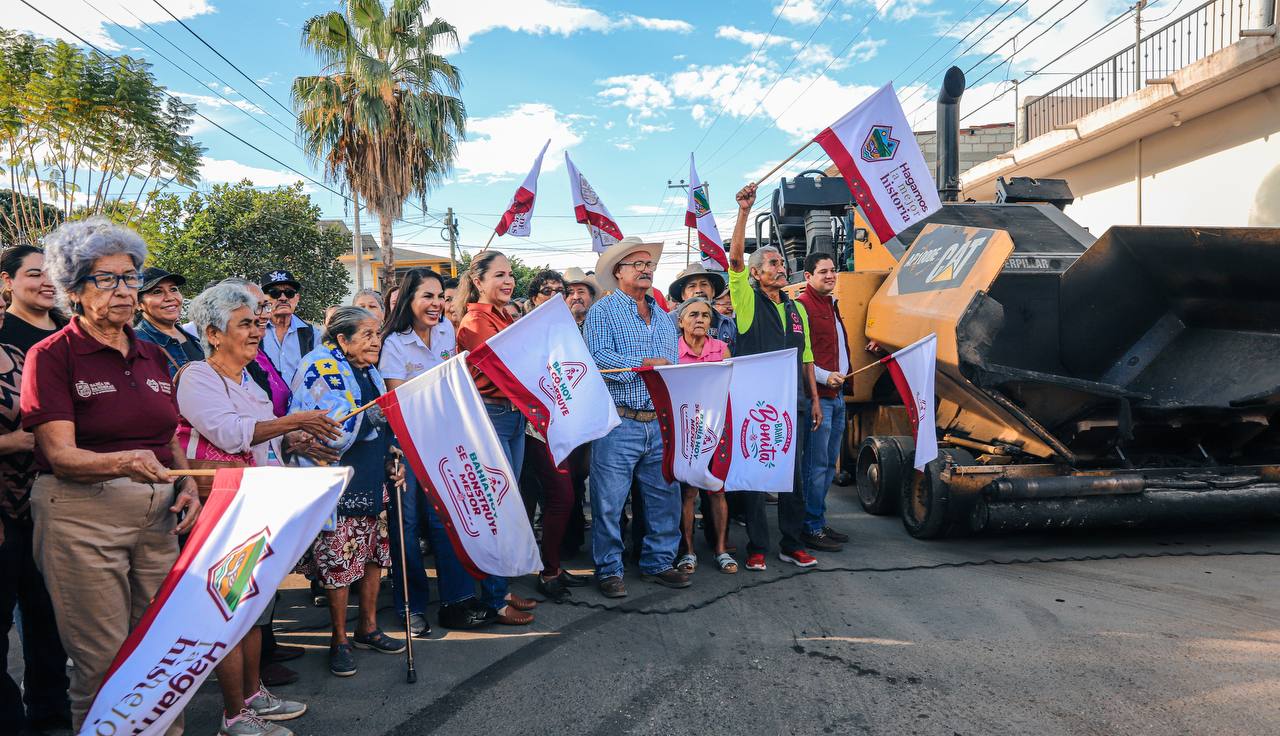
{"x":1166,"y":645}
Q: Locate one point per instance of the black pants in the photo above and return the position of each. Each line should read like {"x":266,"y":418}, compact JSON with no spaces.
{"x":790,"y":505}
{"x":45,"y":675}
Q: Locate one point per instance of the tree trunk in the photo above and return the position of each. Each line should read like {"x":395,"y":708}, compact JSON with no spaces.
{"x":388,"y":253}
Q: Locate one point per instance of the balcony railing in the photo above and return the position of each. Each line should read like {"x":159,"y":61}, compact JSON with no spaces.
{"x":1205,"y":30}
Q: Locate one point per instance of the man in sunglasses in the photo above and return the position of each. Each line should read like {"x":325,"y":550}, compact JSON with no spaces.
{"x":289,"y":336}
{"x":544,"y":285}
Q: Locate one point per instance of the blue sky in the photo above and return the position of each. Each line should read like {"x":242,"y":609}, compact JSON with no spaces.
{"x":629,"y":88}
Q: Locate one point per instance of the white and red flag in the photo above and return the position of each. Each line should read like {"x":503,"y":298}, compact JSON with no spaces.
{"x":589,"y":210}
{"x":912,"y":370}
{"x":692,"y":405}
{"x":543,"y":365}
{"x":518,"y":219}
{"x":877,"y":155}
{"x":761,"y":432}
{"x":252,"y":530}
{"x":450,"y":444}
{"x":697,"y":214}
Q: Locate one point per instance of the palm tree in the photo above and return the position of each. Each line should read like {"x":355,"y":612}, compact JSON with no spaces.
{"x":384,"y":116}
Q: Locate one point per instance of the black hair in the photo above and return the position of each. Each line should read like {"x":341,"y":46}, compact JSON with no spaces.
{"x":450,"y":284}
{"x":541,"y":279}
{"x":812,"y":260}
{"x":401,"y":318}
{"x":12,"y":258}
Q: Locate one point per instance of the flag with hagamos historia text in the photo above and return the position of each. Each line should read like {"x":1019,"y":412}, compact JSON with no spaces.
{"x":878,"y":156}
{"x":517,"y":221}
{"x":761,"y":433}
{"x":450,"y":444}
{"x":254,"y":527}
{"x":912,"y":370}
{"x":697,"y":214}
{"x":691,"y":401}
{"x":589,"y":210}
{"x":542,"y":364}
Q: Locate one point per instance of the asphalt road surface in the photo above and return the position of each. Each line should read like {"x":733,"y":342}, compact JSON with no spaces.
{"x":1176,"y":644}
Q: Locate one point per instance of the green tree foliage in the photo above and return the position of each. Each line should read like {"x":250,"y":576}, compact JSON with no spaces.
{"x":383,"y":116}
{"x":11,"y":205}
{"x":79,"y":130}
{"x":236,"y":230}
{"x":524,"y":274}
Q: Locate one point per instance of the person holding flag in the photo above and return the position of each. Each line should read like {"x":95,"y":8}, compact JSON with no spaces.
{"x":769,"y":320}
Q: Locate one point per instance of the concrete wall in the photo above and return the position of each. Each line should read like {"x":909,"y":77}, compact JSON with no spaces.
{"x":1221,"y":168}
{"x":977,"y":144}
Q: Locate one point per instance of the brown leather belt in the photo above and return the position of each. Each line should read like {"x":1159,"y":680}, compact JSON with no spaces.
{"x":638,"y":415}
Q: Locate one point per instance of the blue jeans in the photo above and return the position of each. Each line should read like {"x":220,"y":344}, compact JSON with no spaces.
{"x":820,"y":455}
{"x":508,"y":423}
{"x":455,"y":583}
{"x":415,"y":506}
{"x":632,"y":449}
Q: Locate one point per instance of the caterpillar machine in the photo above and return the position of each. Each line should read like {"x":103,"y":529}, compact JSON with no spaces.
{"x":1126,"y":380}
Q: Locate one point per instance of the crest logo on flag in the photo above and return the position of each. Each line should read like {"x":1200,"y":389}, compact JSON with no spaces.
{"x":231,"y":581}
{"x":699,"y":438}
{"x":560,"y":381}
{"x":701,"y":201}
{"x":589,"y":195}
{"x":765,"y":433}
{"x":879,"y":145}
{"x":475,"y":491}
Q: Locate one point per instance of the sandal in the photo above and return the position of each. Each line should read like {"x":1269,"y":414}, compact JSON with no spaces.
{"x":687,"y":563}
{"x":727,"y":564}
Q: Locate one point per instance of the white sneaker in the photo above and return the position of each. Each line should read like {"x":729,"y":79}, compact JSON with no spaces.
{"x":270,"y":708}
{"x":249,"y":724}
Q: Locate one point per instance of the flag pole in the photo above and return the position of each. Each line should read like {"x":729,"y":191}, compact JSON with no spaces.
{"x":411,"y":674}
{"x":688,"y":245}
{"x":492,"y":235}
{"x":784,"y":162}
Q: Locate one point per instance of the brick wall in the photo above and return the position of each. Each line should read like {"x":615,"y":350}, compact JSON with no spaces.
{"x":977,"y":144}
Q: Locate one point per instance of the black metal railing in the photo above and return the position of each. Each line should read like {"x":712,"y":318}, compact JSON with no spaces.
{"x":1205,"y":30}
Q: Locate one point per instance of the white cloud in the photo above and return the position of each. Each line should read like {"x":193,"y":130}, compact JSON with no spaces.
{"x":750,"y":38}
{"x":801,"y":12}
{"x":643,"y":94}
{"x":668,"y":202}
{"x":92,"y":26}
{"x":206,"y":102}
{"x":502,"y":147}
{"x":624,"y":146}
{"x":218,"y":171}
{"x":538,"y":17}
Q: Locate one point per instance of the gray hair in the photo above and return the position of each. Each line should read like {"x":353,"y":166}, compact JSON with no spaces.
{"x":757,"y":258}
{"x":344,"y":322}
{"x":71,"y":250}
{"x":213,"y":308}
{"x":366,"y":292}
{"x":684,"y":305}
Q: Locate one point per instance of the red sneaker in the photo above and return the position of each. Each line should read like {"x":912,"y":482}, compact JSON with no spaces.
{"x":799,"y":558}
{"x":755,"y":562}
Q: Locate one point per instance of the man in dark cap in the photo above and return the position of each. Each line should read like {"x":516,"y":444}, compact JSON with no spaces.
{"x":289,"y":337}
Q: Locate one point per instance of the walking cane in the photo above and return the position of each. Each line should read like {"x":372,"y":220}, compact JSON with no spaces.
{"x":411,"y":674}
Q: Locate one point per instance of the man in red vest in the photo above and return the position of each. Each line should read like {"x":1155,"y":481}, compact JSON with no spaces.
{"x":830,"y":367}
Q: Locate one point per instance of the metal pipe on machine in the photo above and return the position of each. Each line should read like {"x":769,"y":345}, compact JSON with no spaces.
{"x":947,"y":171}
{"x":1152,"y":508}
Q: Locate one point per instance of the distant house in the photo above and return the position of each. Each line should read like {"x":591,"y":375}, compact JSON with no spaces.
{"x":371,"y":259}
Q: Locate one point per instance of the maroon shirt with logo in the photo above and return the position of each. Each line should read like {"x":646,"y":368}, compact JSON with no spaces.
{"x":116,"y":402}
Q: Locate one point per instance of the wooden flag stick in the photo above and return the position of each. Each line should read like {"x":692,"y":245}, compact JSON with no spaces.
{"x":358,"y":409}
{"x":863,"y":368}
{"x":617,"y":370}
{"x":195,"y":472}
{"x":784,"y":162}
{"x":492,"y":235}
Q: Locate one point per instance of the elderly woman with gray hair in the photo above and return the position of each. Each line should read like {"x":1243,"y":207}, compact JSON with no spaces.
{"x":106,"y":511}
{"x":338,"y":376}
{"x":226,"y":415}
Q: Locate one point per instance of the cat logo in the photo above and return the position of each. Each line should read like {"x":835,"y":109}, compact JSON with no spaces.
{"x":231,"y":581}
{"x":941,"y":259}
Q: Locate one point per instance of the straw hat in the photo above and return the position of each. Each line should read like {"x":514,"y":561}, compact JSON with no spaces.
{"x":576,"y":275}
{"x":676,"y":289}
{"x":615,"y":253}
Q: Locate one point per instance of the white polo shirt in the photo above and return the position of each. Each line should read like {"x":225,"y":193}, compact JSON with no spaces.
{"x":405,"y":356}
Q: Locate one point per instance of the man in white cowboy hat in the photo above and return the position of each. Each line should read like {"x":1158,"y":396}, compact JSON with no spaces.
{"x":626,"y":329}
{"x":696,"y":280}
{"x":580,"y":292}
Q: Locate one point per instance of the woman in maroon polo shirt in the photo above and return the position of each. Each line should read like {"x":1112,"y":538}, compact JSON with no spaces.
{"x":100,"y":403}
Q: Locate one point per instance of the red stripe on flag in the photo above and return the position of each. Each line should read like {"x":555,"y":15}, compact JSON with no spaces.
{"x":858,"y":188}
{"x":724,"y":448}
{"x":520,"y":204}
{"x":225,"y":486}
{"x":904,"y":390}
{"x":390,"y":405}
{"x":666,"y":421}
{"x":690,"y":219}
{"x":533,"y":408}
{"x":597,"y":220}
{"x":713,"y":250}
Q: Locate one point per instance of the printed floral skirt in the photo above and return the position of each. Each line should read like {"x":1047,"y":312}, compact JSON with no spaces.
{"x":337,"y":558}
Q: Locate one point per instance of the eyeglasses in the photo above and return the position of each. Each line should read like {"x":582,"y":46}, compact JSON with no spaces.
{"x":549,"y":290}
{"x":278,"y":293}
{"x":264,"y":308}
{"x":109,"y":281}
{"x":640,"y":265}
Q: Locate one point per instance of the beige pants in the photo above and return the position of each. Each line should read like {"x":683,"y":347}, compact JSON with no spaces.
{"x":104,"y":549}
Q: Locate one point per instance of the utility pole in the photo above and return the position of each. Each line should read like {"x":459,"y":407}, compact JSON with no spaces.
{"x":356,"y":248}
{"x":1137,"y":44}
{"x":452,"y":229}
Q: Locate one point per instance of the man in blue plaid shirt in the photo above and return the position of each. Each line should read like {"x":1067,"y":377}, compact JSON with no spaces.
{"x":626,"y":329}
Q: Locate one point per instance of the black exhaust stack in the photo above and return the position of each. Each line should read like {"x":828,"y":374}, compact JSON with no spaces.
{"x":947,"y":172}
